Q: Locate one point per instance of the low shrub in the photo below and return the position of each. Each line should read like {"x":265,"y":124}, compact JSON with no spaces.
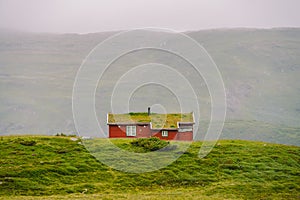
{"x":149,"y":144}
{"x":61,"y":134}
{"x":27,"y":142}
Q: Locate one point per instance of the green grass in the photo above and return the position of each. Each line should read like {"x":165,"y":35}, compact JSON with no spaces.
{"x":158,"y":121}
{"x":42,"y":167}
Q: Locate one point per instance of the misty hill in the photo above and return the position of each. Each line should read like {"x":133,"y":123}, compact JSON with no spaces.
{"x":260,"y":69}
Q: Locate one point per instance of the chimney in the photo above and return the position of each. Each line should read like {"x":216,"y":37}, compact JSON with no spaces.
{"x":149,"y":112}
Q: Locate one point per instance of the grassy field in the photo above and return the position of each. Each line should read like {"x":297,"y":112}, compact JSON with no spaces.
{"x":43,"y":167}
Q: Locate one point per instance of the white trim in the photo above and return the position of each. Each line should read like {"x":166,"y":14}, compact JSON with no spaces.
{"x":186,"y":122}
{"x":182,"y":130}
{"x":193,"y":117}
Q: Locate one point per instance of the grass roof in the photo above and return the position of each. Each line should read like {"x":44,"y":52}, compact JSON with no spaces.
{"x":159,"y":121}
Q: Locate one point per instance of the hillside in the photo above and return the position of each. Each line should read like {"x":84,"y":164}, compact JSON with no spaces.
{"x":44,"y":166}
{"x":260,"y":69}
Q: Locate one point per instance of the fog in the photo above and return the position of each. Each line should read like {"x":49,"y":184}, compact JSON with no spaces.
{"x":83,"y":16}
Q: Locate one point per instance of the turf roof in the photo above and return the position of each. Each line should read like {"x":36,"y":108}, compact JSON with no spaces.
{"x":159,"y":121}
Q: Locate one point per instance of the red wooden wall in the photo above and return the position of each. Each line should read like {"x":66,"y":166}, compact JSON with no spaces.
{"x":116,"y":131}
{"x":172,"y":135}
{"x":185,"y":136}
{"x":144,"y":131}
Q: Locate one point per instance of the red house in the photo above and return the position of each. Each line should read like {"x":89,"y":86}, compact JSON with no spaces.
{"x":172,"y":126}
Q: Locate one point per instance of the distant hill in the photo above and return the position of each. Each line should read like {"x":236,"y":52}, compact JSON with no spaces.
{"x":37,"y":167}
{"x":260,"y":69}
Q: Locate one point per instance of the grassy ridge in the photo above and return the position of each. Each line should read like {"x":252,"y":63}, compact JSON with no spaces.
{"x":45,"y":166}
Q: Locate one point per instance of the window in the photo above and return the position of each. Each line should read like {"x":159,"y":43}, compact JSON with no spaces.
{"x":164,"y":133}
{"x":130,"y":130}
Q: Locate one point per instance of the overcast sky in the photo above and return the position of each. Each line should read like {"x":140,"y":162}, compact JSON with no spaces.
{"x":83,"y":16}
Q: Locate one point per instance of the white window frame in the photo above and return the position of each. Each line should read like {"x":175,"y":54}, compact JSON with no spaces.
{"x":164,"y":133}
{"x":130,"y":130}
